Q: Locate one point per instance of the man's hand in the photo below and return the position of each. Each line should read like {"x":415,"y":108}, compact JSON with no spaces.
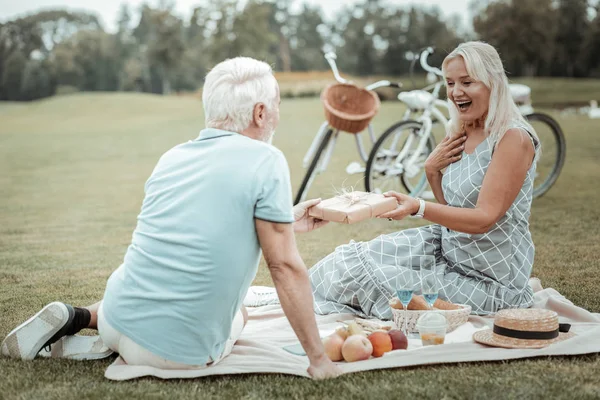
{"x":406,"y":206}
{"x":291,"y":280}
{"x":323,"y":369}
{"x":304,"y":222}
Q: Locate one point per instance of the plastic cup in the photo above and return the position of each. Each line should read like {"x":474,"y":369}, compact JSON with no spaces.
{"x":432,"y":328}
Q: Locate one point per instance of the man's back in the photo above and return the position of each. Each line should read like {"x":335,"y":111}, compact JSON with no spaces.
{"x":195,"y":251}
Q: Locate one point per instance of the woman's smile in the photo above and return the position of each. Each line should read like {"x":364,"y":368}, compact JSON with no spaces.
{"x":470,"y":96}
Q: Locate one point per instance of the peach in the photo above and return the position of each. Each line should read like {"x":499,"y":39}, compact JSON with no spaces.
{"x":399,"y":340}
{"x":357,"y":348}
{"x":382,"y":343}
{"x":333,"y":347}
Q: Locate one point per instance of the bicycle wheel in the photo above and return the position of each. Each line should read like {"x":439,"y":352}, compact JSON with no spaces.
{"x":310,"y":172}
{"x":386,"y":172}
{"x":554,"y":150}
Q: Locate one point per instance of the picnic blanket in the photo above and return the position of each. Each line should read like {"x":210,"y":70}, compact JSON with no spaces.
{"x":260,"y":347}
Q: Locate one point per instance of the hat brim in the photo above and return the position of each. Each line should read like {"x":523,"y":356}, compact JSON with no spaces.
{"x":487,"y":337}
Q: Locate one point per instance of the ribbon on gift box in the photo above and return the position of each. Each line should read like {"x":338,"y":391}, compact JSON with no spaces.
{"x":352,"y":197}
{"x":353,"y":207}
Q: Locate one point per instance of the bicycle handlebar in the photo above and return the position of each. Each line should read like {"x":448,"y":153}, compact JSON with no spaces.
{"x":331,"y":57}
{"x":384,"y":83}
{"x":426,"y":66}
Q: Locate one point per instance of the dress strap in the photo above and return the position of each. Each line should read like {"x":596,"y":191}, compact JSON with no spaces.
{"x":533,"y":139}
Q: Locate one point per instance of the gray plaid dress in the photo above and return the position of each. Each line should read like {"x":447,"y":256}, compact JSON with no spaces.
{"x":487,"y":271}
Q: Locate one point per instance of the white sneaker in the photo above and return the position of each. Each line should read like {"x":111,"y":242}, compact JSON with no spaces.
{"x":77,"y":347}
{"x":27,"y":339}
{"x":260,"y":296}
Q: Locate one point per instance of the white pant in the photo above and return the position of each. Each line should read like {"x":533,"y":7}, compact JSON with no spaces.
{"x":134,"y":354}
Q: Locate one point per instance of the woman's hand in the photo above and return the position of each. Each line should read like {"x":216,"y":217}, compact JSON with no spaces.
{"x":304,"y":222}
{"x":445,"y":153}
{"x":406,"y":206}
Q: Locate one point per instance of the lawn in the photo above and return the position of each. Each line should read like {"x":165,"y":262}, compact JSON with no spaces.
{"x":72,"y":171}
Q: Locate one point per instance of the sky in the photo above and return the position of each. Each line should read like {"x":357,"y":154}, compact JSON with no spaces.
{"x":108,"y":9}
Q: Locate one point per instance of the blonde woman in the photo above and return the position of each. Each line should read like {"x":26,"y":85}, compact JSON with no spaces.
{"x":482,"y":177}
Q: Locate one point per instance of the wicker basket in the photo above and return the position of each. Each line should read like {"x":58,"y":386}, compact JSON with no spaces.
{"x":455,"y":318}
{"x":348,"y":107}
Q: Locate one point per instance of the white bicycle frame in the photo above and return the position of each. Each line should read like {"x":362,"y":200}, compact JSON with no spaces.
{"x":409,"y":166}
{"x":324,"y":162}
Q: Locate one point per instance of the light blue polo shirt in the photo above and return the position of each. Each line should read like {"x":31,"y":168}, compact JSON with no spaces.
{"x":195,"y":250}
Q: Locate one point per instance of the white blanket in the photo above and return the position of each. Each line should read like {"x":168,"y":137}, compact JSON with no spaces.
{"x":260,"y":347}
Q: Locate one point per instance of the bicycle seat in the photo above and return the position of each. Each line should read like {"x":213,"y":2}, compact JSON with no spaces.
{"x":521,"y":94}
{"x":416,"y":99}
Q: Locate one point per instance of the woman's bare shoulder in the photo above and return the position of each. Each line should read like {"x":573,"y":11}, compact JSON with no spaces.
{"x":517,"y":140}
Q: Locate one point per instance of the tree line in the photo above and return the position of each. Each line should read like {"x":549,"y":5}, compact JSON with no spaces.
{"x":154,"y":50}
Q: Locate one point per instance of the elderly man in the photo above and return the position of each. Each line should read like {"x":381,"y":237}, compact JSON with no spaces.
{"x":210,"y":206}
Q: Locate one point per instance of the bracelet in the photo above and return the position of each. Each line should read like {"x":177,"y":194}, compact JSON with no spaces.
{"x":421,"y":212}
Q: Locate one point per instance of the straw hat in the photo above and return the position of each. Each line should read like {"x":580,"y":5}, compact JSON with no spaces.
{"x":524,"y":329}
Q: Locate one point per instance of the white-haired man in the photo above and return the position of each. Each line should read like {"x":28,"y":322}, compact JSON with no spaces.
{"x":210,"y":206}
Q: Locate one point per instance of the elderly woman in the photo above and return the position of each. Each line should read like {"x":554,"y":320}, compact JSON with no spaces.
{"x":480,"y":234}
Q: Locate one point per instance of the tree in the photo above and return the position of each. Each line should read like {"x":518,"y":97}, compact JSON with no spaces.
{"x":195,"y":60}
{"x":591,"y":47}
{"x":251,"y":33}
{"x":132,"y":76}
{"x":220,"y":30}
{"x":571,"y":31}
{"x":89,"y":61}
{"x":306,"y":39}
{"x":523,"y":32}
{"x":407,"y":32}
{"x":355,"y":31}
{"x":142,"y":31}
{"x":37,"y":81}
{"x":13,"y":75}
{"x":35,"y":37}
{"x":59,"y":25}
{"x":166,"y":46}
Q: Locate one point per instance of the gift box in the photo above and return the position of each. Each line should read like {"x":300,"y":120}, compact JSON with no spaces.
{"x":352,"y":207}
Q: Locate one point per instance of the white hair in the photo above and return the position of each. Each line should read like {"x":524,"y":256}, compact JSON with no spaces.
{"x":232,"y":89}
{"x":483,"y":64}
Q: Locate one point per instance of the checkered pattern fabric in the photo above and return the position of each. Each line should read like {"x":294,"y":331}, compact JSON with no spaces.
{"x":487,"y":271}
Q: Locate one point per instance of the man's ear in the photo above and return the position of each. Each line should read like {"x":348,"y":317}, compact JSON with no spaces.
{"x":260,"y":115}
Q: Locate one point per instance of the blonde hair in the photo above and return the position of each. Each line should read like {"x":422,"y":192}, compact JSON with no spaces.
{"x":483,"y":64}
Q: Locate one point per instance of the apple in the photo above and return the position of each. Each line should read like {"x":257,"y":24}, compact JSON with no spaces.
{"x":399,"y":340}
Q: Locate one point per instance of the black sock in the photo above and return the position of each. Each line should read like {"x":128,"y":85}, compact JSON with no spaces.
{"x":81,"y":320}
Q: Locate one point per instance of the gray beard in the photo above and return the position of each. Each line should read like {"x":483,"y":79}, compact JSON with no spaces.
{"x":270,"y":139}
{"x":267,"y":136}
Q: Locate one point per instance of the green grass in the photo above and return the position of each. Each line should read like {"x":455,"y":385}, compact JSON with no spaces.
{"x":561,"y":92}
{"x":72,"y":171}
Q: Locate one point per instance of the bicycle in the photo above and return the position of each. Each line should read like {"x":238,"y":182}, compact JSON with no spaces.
{"x":552,"y":139}
{"x":319,"y":153}
{"x":403,"y":166}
